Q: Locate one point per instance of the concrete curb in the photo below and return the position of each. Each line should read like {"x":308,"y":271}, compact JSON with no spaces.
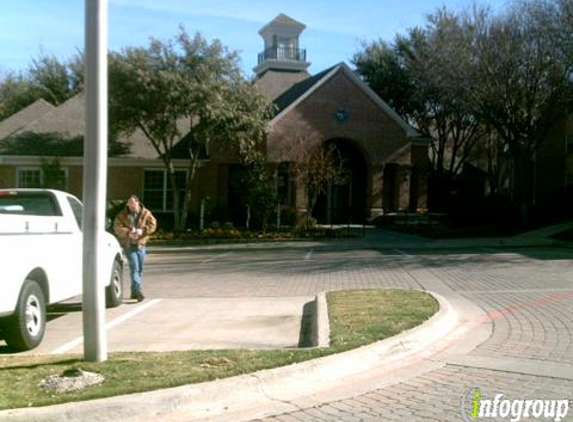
{"x":320,"y":330}
{"x":276,"y":386}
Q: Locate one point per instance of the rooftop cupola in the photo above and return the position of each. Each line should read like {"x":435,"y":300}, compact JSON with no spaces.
{"x":282,"y":50}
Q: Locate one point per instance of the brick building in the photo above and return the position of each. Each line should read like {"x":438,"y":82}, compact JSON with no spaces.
{"x":385,"y":160}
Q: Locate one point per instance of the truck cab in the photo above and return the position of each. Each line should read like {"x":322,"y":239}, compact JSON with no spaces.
{"x":41,"y":248}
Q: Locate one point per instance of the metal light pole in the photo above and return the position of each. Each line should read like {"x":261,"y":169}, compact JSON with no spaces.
{"x":95,"y":178}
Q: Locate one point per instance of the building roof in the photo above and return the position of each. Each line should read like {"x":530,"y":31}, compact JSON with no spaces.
{"x":302,"y":90}
{"x":59,"y":131}
{"x":297,"y":91}
{"x":42,"y":128}
{"x":25,"y":116}
{"x":67,"y":119}
{"x":282,"y":20}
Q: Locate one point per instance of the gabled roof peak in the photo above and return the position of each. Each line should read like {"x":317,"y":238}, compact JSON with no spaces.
{"x":28,"y":114}
{"x":294,"y":96}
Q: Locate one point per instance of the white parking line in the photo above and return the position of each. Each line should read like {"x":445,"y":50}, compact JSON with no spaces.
{"x":215,"y":258}
{"x":113,"y":323}
{"x":308,"y":255}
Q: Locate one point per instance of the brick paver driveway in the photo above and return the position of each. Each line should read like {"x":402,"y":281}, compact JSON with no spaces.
{"x":527,"y":292}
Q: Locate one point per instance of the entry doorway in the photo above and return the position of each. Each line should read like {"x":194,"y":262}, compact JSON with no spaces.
{"x":345,"y":200}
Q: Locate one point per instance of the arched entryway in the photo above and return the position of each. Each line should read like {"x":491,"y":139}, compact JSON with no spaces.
{"x":345,"y":200}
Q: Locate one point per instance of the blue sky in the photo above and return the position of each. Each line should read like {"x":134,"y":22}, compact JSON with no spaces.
{"x":335,"y":29}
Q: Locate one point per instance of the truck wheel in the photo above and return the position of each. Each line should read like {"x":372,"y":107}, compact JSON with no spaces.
{"x":114,"y":292}
{"x":25,"y":329}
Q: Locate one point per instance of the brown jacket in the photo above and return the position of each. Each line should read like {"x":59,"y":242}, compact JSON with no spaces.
{"x":123,"y":225}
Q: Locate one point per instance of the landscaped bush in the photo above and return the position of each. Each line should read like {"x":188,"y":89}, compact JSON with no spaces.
{"x":229,"y":233}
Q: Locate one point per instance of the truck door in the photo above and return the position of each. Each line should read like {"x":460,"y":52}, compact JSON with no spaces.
{"x":71,"y":242}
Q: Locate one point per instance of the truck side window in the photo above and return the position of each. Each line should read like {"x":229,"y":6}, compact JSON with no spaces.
{"x":77,"y":209}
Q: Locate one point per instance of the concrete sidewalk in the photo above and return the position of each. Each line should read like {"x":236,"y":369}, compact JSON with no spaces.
{"x":183,"y":324}
{"x":380,"y":238}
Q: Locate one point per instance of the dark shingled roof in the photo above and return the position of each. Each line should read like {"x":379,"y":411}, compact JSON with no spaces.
{"x":24,"y":117}
{"x":59,"y":131}
{"x":299,"y":89}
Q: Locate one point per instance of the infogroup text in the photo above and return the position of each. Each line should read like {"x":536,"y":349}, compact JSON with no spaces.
{"x":475,"y":406}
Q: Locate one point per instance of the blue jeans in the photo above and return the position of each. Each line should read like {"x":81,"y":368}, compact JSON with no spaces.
{"x":135,"y":257}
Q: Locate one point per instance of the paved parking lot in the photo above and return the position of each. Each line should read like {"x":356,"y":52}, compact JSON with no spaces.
{"x":527,"y":293}
{"x":226,"y":296}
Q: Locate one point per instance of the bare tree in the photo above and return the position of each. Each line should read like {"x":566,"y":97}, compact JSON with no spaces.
{"x":423,"y":76}
{"x":522,"y":83}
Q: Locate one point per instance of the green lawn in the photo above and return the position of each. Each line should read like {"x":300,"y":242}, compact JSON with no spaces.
{"x":357,"y":318}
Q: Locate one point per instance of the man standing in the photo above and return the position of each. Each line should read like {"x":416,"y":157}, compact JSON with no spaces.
{"x":133,"y":226}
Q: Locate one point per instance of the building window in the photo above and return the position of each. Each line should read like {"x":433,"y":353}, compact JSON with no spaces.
{"x":157,"y":192}
{"x":36,"y":177}
{"x":29,"y":178}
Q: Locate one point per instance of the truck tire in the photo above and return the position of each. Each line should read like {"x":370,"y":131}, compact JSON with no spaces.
{"x":25,"y":329}
{"x":114,"y":292}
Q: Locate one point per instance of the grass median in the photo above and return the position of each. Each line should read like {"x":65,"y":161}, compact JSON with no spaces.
{"x":357,"y":318}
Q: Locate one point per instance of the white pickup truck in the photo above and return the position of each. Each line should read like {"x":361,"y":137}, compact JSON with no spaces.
{"x":41,"y":261}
